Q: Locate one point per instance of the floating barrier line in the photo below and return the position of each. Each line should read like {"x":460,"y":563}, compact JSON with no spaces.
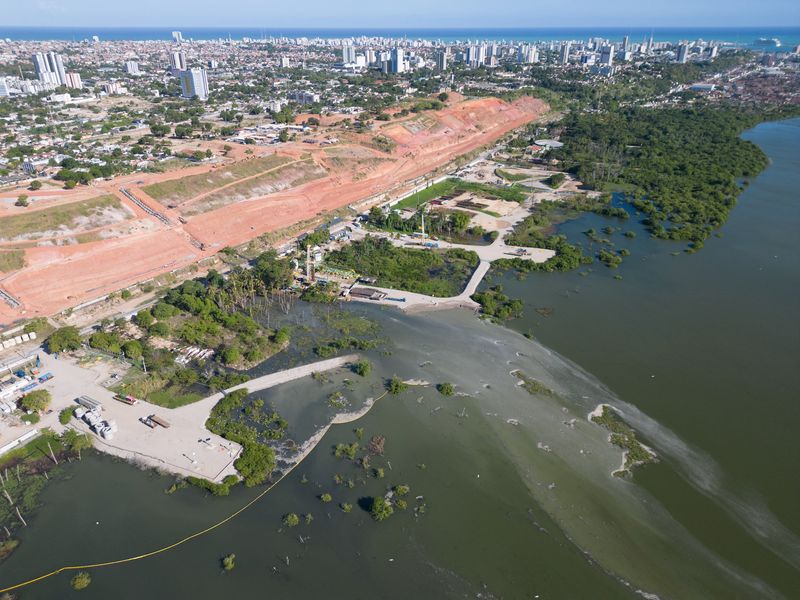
{"x":165,"y":548}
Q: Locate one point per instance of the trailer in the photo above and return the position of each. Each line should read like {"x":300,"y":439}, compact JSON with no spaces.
{"x":29,"y":387}
{"x":89,"y":403}
{"x":159,"y":421}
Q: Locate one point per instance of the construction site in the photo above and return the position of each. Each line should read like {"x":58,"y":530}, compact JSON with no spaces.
{"x":73,"y":246}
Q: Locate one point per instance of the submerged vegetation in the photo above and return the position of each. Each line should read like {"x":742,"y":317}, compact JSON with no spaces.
{"x":683,"y":195}
{"x":531,"y":385}
{"x":624,"y":436}
{"x":495,"y":304}
{"x":257,"y":460}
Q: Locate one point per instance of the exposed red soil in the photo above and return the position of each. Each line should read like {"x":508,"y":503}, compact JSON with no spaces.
{"x":56,"y":278}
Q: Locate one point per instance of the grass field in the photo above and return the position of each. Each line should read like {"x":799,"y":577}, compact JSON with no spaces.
{"x":11,"y":260}
{"x":457,"y":186}
{"x":513,"y":177}
{"x":176,"y":191}
{"x":280,"y":178}
{"x":50,"y":219}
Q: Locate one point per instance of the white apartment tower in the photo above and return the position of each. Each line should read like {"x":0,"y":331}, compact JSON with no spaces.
{"x":348,"y":54}
{"x":441,"y":60}
{"x":132,"y":67}
{"x":607,"y":55}
{"x":50,"y":68}
{"x":194,"y":83}
{"x":564,"y":56}
{"x":527,"y":54}
{"x":73,"y":81}
{"x":177,"y":60}
{"x":398,"y":63}
{"x":683,"y":53}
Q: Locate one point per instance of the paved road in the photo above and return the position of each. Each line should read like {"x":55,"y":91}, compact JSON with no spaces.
{"x":198,"y":412}
{"x":410,"y":301}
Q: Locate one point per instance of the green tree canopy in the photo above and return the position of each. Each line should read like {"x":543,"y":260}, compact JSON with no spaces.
{"x":63,"y":339}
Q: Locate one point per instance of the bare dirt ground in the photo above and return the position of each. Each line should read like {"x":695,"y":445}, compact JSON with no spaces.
{"x":58,"y":277}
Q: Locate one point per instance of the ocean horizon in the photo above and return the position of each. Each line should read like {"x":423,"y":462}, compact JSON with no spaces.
{"x":743,"y":36}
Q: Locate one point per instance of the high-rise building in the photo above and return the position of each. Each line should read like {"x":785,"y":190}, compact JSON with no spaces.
{"x":476,"y":55}
{"x":370,"y":56}
{"x":713,"y":51}
{"x":177,"y":36}
{"x":40,"y":64}
{"x":441,"y":60}
{"x":285,"y":64}
{"x":177,"y":60}
{"x":5,"y":89}
{"x":132,"y":67}
{"x":683,"y":53}
{"x":194,"y":83}
{"x":73,"y":81}
{"x":398,"y":62}
{"x":348,"y":54}
{"x":626,"y":43}
{"x":50,"y":68}
{"x":527,"y":54}
{"x":564,"y":55}
{"x":607,"y":55}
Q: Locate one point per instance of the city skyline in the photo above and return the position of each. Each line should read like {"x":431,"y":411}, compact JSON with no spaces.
{"x":413,"y":14}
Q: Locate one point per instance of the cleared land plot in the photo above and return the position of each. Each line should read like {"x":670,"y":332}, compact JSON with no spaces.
{"x":278,"y":179}
{"x":452,"y":187}
{"x":178,"y":191}
{"x":64,"y":219}
{"x":11,"y":260}
{"x":420,"y":123}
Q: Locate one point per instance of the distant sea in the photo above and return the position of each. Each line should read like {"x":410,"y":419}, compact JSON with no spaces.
{"x":743,"y":36}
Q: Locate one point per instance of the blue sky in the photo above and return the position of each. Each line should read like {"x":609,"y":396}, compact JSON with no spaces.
{"x":401,"y":13}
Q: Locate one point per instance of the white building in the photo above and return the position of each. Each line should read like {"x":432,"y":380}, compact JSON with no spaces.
{"x":304,"y":97}
{"x":194,"y":83}
{"x":132,"y":67}
{"x":177,"y":61}
{"x":476,"y":55}
{"x":113,"y":88}
{"x":683,"y":53}
{"x":441,"y":60}
{"x":285,"y":63}
{"x":398,"y":62}
{"x":73,"y":81}
{"x":5,"y":88}
{"x":607,"y":55}
{"x":50,"y":68}
{"x":564,"y":55}
{"x":177,"y":36}
{"x":527,"y":54}
{"x":348,"y":54}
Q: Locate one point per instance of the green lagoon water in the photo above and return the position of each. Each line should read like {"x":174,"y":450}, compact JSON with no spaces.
{"x":701,"y":352}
